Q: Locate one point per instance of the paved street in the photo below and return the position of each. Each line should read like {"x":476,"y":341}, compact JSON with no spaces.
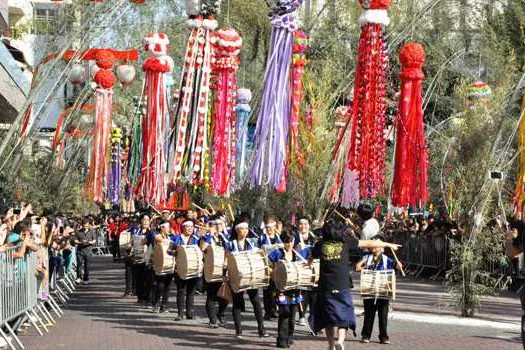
{"x":98,"y":319}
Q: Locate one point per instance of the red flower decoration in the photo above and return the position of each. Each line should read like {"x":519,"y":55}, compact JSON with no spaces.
{"x":375,"y":4}
{"x":105,"y":78}
{"x":154,"y":64}
{"x":412,"y":55}
{"x":105,"y":59}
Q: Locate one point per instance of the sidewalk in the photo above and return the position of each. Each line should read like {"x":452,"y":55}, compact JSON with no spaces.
{"x":98,"y":318}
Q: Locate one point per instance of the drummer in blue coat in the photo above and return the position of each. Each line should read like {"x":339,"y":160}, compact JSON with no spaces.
{"x":289,"y":300}
{"x":239,"y":243}
{"x":216,"y":236}
{"x":304,"y":242}
{"x":268,"y":238}
{"x":186,"y":288}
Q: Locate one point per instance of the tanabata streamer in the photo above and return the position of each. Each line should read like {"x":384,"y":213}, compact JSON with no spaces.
{"x":190,"y":138}
{"x":228,"y":47}
{"x":519,"y":195}
{"x":273,"y":123}
{"x":151,"y":186}
{"x":115,"y":173}
{"x":242,"y":111}
{"x":409,"y":186}
{"x":98,"y":167}
{"x":368,"y":148}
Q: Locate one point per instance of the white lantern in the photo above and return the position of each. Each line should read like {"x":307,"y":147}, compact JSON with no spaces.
{"x":126,"y":74}
{"x":93,"y":70}
{"x":77,"y":74}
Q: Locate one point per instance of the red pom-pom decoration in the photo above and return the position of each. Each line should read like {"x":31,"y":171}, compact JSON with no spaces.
{"x":105,"y":78}
{"x":156,"y":64}
{"x":375,"y":4}
{"x":105,"y":59}
{"x":412,"y":55}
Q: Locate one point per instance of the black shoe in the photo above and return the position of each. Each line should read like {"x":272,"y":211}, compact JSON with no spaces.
{"x":213,"y":325}
{"x":190,"y":316}
{"x":290,"y":342}
{"x":239,"y":336}
{"x":384,"y":341}
{"x":222,"y":323}
{"x":264,"y":335}
{"x":179,"y":317}
{"x":269,"y":316}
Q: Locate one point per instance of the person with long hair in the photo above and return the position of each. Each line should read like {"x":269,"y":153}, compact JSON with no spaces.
{"x":334,"y":310}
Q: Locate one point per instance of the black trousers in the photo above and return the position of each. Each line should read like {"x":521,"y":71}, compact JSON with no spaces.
{"x":286,"y":324}
{"x":212,"y":299}
{"x":115,"y":248}
{"x":238,"y":308}
{"x":83,"y":258}
{"x":130,"y":285}
{"x":162,"y":289}
{"x":186,"y":295}
{"x":269,"y":296}
{"x":522,"y":298}
{"x":150,"y":284}
{"x":139,"y":278}
{"x":371,"y":307}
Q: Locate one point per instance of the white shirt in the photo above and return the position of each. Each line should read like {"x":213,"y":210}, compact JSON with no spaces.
{"x":370,"y":229}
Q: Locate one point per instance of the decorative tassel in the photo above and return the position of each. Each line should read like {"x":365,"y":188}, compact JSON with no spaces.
{"x":350,"y":194}
{"x":151,"y":187}
{"x":519,"y":196}
{"x":190,"y":138}
{"x":409,"y":186}
{"x":368,"y":147}
{"x":226,"y":63}
{"x":115,"y":175}
{"x":242,"y":111}
{"x":299,"y":62}
{"x":271,"y":134}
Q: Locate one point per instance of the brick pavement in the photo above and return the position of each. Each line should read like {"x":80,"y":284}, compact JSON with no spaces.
{"x":98,"y":319}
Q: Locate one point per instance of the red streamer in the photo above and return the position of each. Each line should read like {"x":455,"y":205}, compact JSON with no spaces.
{"x":410,"y":182}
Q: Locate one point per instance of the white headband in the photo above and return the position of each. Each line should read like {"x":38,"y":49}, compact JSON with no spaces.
{"x":271,"y":224}
{"x":241,"y":225}
{"x":303,"y":221}
{"x":187,"y":223}
{"x":166,"y":224}
{"x":218,"y":221}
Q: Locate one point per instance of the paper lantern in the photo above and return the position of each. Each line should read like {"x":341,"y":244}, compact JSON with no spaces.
{"x":77,"y":74}
{"x":125,"y":74}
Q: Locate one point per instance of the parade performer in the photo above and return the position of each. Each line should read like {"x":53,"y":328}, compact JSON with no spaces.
{"x":186,"y":288}
{"x":137,"y":258}
{"x":288,"y":301}
{"x":376,"y":261}
{"x":163,"y":241}
{"x":239,"y":243}
{"x":269,"y":239}
{"x":216,"y":236}
{"x":304,"y":241}
{"x":410,"y":180}
{"x":334,"y":309}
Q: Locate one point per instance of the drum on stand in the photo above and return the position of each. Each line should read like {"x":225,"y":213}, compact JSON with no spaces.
{"x":295,"y":275}
{"x":213,"y":263}
{"x":376,"y":284}
{"x":163,"y":263}
{"x":189,"y":261}
{"x":248,"y":270}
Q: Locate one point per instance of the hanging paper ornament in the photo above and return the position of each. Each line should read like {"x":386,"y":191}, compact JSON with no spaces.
{"x":115,"y":173}
{"x":93,"y":70}
{"x":519,"y":194}
{"x":125,"y":74}
{"x":242,"y":112}
{"x":228,"y":47}
{"x":77,"y":74}
{"x":479,"y":94}
{"x":273,"y":123}
{"x":367,"y":147}
{"x":299,"y":61}
{"x":190,"y":139}
{"x":409,"y":186}
{"x":105,"y":80}
{"x":151,"y":186}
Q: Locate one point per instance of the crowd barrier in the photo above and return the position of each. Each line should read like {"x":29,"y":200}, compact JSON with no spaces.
{"x":25,"y":293}
{"x":101,"y":247}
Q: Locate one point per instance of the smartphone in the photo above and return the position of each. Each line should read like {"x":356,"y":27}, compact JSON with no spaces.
{"x":17,"y":211}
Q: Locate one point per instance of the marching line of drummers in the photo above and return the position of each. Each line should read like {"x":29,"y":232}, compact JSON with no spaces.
{"x":232,"y":262}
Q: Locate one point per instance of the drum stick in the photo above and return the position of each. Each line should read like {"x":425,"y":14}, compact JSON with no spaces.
{"x":299,"y":256}
{"x":307,"y":323}
{"x":201,"y":208}
{"x":155,"y":209}
{"x":398,"y":262}
{"x":231,"y":212}
{"x":345,"y":218}
{"x":212,"y":208}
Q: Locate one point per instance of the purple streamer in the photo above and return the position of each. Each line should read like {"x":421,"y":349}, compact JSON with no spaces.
{"x":115,"y":175}
{"x":271,"y":134}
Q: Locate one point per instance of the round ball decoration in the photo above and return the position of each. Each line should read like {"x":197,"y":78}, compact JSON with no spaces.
{"x":93,"y":70}
{"x":125,"y":74}
{"x":77,"y":74}
{"x":105,"y":78}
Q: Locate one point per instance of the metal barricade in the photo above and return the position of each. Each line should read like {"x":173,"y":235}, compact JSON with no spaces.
{"x":101,"y":246}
